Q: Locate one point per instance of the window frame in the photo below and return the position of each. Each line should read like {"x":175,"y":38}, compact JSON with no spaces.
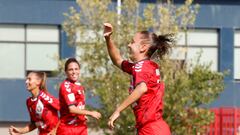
{"x":25,"y":43}
{"x":186,"y":46}
{"x":236,"y":47}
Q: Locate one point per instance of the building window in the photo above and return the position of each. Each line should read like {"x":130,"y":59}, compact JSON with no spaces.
{"x":237,"y":55}
{"x":26,"y":48}
{"x":197,"y":42}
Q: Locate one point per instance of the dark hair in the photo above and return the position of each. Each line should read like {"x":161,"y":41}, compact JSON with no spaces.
{"x":70,"y":60}
{"x":162,"y":43}
{"x":43,"y":76}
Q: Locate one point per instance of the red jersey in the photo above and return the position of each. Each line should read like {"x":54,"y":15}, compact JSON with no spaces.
{"x":149,"y":106}
{"x":71,"y":94}
{"x":43,"y":111}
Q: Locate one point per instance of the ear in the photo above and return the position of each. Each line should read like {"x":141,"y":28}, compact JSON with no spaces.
{"x":144,"y":47}
{"x":38,"y":82}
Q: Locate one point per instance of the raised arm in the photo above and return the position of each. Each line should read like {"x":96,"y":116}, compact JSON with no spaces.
{"x":113,"y":51}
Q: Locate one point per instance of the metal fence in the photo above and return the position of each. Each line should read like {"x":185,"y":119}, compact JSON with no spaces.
{"x":227,"y":121}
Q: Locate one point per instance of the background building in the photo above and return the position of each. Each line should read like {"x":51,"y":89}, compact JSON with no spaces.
{"x":31,"y":38}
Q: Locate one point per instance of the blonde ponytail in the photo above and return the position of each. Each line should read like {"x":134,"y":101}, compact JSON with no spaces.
{"x":43,"y":85}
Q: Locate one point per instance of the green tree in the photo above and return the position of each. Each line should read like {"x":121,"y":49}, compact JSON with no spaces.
{"x":185,"y":89}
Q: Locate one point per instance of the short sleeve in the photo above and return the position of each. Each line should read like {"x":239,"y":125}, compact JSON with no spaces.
{"x":142,"y":76}
{"x":55,"y":104}
{"x":146,"y":71}
{"x":67,"y":94}
{"x":127,"y":67}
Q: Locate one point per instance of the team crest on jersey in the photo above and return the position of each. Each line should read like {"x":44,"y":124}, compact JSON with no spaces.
{"x":138,"y":66}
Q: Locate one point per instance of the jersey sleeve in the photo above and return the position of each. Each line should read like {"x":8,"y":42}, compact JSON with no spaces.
{"x":67,"y":94}
{"x":146,"y":72}
{"x":55,"y":104}
{"x":127,"y":67}
{"x":50,"y":100}
{"x":142,"y":76}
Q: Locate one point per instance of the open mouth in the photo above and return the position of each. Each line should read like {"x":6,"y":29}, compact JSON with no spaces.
{"x":74,"y":75}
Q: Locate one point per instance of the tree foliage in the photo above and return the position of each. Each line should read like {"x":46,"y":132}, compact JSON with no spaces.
{"x":186,"y":90}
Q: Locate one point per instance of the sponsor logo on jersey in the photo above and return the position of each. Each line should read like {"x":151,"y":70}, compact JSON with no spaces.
{"x":39,"y":108}
{"x":71,"y":97}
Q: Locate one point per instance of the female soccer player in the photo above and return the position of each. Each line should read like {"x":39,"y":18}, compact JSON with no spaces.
{"x":146,"y":90}
{"x":72,"y":102}
{"x":41,"y":105}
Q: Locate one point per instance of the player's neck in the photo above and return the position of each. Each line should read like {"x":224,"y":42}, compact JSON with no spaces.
{"x":35,"y":92}
{"x":140,"y":58}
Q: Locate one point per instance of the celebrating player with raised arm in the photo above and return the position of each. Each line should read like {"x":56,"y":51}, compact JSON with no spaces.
{"x":41,"y":105}
{"x":146,"y":90}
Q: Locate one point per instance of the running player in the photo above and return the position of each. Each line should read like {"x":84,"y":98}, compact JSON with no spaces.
{"x":146,"y":90}
{"x":41,"y":105}
{"x":72,"y":102}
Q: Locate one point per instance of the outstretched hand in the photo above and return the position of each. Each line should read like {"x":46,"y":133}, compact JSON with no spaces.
{"x":96,"y":114}
{"x":14,"y":131}
{"x":108,"y":29}
{"x":111,"y":120}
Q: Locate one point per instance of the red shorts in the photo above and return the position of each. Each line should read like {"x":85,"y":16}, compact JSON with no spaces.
{"x":159,"y":127}
{"x":64,"y":129}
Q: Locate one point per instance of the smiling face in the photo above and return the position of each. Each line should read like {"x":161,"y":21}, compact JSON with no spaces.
{"x":32,"y":82}
{"x":138,"y":48}
{"x":73,"y":71}
{"x":134,"y":47}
